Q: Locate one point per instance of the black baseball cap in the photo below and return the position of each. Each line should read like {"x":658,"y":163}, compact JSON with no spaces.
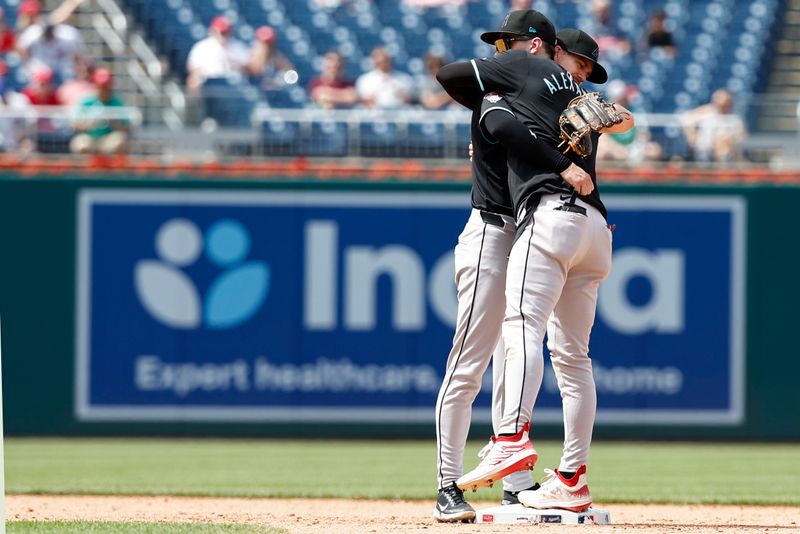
{"x":581,"y":44}
{"x":524,"y":23}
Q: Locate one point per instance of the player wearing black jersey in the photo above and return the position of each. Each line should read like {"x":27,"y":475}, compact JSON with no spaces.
{"x":562,"y":253}
{"x":481,"y":259}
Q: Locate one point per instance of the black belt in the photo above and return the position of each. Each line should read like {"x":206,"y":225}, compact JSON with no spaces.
{"x":492,"y":218}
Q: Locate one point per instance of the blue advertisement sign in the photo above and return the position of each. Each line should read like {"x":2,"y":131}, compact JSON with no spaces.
{"x":236,"y":306}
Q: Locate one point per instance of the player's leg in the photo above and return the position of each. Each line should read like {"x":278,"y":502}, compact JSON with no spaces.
{"x":498,"y":384}
{"x":568,"y":342}
{"x":536,"y":273}
{"x":519,"y":480}
{"x":481,"y":259}
{"x":568,"y":332}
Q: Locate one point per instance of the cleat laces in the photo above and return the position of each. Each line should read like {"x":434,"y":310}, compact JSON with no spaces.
{"x":454,"y":496}
{"x":549,"y":474}
{"x":486,"y":448}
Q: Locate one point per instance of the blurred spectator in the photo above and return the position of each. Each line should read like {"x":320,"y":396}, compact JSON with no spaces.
{"x":7,"y":37}
{"x":13,"y":133}
{"x":73,"y":92}
{"x":41,"y":90}
{"x":267,"y":62}
{"x":330,"y":89}
{"x":383,"y":87}
{"x":97,"y":132}
{"x":46,"y":40}
{"x":431,"y":93}
{"x":603,"y":28}
{"x":53,"y":46}
{"x":633,"y":146}
{"x":657,"y":34}
{"x":217,"y":56}
{"x":713,"y":131}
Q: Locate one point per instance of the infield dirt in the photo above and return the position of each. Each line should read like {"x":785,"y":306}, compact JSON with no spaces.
{"x":329,"y":516}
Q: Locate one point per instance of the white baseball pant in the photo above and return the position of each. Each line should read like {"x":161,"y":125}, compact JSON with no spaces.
{"x":481,"y":260}
{"x":554,"y":271}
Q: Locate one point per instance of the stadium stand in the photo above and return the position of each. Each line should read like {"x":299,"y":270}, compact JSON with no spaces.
{"x":720,"y":44}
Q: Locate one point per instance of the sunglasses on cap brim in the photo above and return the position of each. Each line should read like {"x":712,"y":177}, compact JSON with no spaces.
{"x":504,"y":44}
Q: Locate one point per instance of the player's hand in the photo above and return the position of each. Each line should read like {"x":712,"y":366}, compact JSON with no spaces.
{"x":578,"y":178}
{"x":471,"y":151}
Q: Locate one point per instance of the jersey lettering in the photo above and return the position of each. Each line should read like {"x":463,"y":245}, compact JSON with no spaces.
{"x":562,"y":83}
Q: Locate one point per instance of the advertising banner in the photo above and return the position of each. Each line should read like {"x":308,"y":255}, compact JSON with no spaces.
{"x":237,"y":306}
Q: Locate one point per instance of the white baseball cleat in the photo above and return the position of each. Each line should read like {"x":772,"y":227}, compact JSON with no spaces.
{"x":558,"y":492}
{"x":507,"y":455}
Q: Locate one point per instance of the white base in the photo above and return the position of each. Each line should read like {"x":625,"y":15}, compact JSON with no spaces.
{"x":517,"y":514}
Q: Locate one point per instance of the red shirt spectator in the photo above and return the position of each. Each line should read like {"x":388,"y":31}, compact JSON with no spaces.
{"x":331,"y":89}
{"x":41,"y":91}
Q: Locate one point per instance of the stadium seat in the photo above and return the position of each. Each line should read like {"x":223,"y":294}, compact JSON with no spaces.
{"x":225,"y":101}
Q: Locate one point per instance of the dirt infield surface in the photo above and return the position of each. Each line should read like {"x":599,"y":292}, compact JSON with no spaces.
{"x":329,"y":516}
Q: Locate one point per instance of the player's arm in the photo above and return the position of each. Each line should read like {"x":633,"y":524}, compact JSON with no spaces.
{"x":626,"y":124}
{"x":458,"y":80}
{"x":502,"y":74}
{"x":499,"y":122}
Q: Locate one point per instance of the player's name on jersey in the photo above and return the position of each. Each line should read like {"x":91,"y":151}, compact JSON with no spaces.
{"x":562,"y":83}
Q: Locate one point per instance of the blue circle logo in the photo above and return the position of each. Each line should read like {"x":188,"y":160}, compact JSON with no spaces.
{"x":171,"y":297}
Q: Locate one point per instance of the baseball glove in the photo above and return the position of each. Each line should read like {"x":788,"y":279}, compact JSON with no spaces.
{"x":585,"y":114}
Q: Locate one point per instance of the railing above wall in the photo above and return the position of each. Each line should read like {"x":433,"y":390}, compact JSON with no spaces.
{"x":407,"y":134}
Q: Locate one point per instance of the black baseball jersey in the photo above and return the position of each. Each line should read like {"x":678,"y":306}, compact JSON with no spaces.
{"x":490,"y":190}
{"x":537,"y":90}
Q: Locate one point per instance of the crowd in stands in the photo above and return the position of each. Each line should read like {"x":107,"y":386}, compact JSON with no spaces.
{"x":384,"y":86}
{"x":43,"y":62}
{"x":52,"y":74}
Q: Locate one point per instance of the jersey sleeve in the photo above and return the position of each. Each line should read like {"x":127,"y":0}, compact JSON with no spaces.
{"x":458,"y":80}
{"x":504,"y":73}
{"x":492,"y":102}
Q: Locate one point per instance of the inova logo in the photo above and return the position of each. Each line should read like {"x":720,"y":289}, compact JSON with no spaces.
{"x":171,"y":297}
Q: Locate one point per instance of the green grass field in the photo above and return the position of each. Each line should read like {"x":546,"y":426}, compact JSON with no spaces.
{"x":618,"y":472}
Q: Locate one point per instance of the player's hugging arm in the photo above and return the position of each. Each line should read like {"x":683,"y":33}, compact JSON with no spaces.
{"x":463,"y":80}
{"x":503,"y":126}
{"x":513,"y":135}
{"x":458,"y":79}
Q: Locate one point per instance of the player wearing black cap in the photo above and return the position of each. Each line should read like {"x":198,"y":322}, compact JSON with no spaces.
{"x":555,"y":267}
{"x":481,"y":257}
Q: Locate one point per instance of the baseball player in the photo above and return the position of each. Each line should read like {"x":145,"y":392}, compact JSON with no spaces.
{"x":481,"y":257}
{"x":562,"y":252}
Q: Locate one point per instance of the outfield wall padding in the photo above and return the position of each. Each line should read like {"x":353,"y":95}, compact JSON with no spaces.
{"x":273,"y":344}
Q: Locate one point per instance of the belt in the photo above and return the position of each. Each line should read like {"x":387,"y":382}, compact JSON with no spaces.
{"x":492,"y":218}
